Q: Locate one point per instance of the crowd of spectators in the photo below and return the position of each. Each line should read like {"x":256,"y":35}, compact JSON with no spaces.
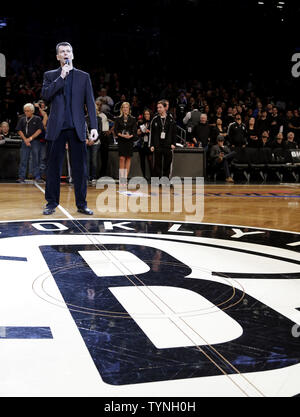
{"x":240,"y":112}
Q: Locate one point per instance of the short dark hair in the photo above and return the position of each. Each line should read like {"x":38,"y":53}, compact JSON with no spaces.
{"x":62,"y":44}
{"x":163,"y":102}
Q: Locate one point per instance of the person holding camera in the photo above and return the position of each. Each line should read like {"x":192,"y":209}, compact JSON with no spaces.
{"x":125,"y":128}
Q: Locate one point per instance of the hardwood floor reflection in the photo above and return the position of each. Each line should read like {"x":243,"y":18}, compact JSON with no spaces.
{"x":265,"y":206}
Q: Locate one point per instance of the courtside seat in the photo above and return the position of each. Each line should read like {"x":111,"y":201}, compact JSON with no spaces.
{"x":259,"y":159}
{"x":241,"y":163}
{"x":293,"y":164}
{"x":252,"y":162}
{"x":278,"y":164}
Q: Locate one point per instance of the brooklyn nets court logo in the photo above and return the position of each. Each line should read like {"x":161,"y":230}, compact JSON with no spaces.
{"x":120,"y":303}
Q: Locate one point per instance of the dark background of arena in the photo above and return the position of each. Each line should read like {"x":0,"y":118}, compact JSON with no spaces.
{"x":161,"y":41}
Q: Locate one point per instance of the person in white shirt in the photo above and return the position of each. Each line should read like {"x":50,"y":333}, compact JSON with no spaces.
{"x":107,"y":102}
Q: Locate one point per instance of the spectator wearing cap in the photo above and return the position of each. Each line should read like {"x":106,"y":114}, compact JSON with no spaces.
{"x":221,"y":157}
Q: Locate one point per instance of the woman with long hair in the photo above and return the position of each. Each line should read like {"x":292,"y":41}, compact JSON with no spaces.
{"x":125,"y":129}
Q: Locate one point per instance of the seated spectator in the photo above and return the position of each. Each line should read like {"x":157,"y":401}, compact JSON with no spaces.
{"x":264,"y":140}
{"x":295,"y":125}
{"x":278,"y":143}
{"x":221,"y":156}
{"x":29,"y":128}
{"x":237,"y":133}
{"x":287,"y":122}
{"x":290,"y":142}
{"x":252,"y":134}
{"x":4,"y":129}
{"x":201,"y":132}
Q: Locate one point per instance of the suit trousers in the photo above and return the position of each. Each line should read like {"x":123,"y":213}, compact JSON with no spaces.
{"x":56,"y":151}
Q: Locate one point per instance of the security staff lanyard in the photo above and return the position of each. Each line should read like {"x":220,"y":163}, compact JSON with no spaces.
{"x":163,"y":122}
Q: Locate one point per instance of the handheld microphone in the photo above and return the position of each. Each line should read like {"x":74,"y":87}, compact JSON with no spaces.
{"x":67,"y":62}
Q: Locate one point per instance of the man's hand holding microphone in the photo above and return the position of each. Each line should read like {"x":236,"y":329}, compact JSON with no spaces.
{"x":65,"y":69}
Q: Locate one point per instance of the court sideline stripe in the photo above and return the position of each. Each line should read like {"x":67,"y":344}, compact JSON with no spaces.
{"x":64,"y":211}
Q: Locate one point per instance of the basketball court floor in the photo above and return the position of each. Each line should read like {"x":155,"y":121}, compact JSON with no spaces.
{"x":141,"y":303}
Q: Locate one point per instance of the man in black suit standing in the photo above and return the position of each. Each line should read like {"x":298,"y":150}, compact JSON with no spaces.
{"x":68,"y":90}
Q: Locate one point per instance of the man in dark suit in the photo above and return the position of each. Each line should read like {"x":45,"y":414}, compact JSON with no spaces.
{"x":68,"y":90}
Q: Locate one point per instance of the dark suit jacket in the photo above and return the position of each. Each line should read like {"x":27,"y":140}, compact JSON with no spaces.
{"x":82,"y":94}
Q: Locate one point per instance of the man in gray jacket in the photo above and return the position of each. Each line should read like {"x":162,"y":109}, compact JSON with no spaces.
{"x":221,"y":156}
